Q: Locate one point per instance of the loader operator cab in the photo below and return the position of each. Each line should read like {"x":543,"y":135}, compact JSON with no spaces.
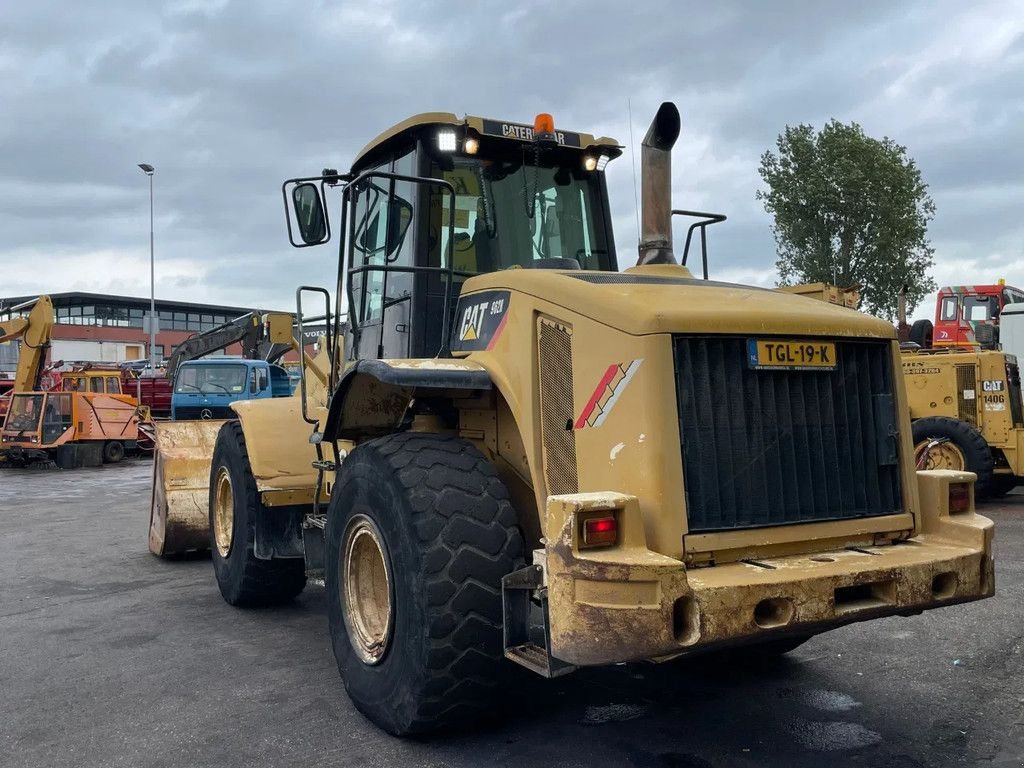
{"x":438,"y":199}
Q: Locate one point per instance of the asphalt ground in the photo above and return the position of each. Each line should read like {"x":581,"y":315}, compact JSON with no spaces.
{"x":111,"y":657}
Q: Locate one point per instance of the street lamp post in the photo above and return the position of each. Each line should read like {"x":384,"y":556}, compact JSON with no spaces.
{"x":149,"y":170}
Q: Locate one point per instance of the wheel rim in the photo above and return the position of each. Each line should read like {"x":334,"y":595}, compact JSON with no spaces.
{"x":223,"y":513}
{"x":942,"y":456}
{"x":366,"y":580}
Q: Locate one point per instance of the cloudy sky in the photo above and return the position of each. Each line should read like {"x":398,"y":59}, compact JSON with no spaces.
{"x":227,"y":99}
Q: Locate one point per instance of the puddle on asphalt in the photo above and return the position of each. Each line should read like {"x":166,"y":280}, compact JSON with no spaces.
{"x":833,"y":736}
{"x":828,"y":701}
{"x":612,"y":713}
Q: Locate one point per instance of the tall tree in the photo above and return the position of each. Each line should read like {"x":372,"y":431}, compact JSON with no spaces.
{"x":851,"y":210}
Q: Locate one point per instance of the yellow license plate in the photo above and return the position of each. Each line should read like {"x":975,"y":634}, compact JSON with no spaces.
{"x":791,"y":355}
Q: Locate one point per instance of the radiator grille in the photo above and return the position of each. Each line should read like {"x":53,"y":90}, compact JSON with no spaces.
{"x":764,"y":448}
{"x":556,"y":406}
{"x":967,"y":393}
{"x":195,"y":412}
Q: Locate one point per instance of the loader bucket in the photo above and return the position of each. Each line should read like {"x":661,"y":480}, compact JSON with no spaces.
{"x":179,"y":508}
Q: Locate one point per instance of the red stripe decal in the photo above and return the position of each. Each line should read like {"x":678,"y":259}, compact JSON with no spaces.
{"x":497,"y":332}
{"x":605,"y":381}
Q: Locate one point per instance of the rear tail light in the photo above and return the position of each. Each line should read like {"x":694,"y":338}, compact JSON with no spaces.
{"x":959,"y":498}
{"x":600,"y":532}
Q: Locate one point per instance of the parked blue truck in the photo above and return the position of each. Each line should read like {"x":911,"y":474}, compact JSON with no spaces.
{"x":206,"y":388}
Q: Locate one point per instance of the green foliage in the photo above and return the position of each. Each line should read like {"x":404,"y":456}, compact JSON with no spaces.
{"x":849,"y":210}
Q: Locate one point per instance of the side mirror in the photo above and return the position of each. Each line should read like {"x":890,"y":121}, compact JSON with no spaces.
{"x":309,"y":213}
{"x":254,"y":377}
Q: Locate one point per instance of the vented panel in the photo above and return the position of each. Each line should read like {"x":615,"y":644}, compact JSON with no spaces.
{"x":767,"y":447}
{"x":1013,"y":384}
{"x":967,"y":393}
{"x":556,"y":406}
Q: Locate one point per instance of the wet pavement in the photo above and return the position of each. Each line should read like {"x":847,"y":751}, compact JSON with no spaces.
{"x":111,"y":657}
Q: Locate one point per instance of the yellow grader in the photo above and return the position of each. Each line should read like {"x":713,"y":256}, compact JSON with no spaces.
{"x":518,"y":453}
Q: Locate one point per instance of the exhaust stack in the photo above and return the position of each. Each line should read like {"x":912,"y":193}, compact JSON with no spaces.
{"x":656,"y":187}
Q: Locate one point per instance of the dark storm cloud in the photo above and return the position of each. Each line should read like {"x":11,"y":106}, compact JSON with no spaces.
{"x":226,"y":99}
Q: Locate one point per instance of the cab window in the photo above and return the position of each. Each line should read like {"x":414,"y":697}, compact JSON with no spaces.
{"x":949,"y":307}
{"x":509,"y":213}
{"x":383,"y":217}
{"x":980,"y":308}
{"x":96,"y":384}
{"x":113,"y":386}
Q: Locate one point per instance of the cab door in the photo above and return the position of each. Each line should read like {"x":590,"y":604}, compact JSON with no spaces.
{"x":383,"y":245}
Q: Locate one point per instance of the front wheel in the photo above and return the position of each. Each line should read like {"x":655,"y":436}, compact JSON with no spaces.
{"x":113,"y":452}
{"x":944,"y":443}
{"x":244,"y":579}
{"x":420,"y":531}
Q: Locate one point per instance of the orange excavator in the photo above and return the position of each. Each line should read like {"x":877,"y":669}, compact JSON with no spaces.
{"x":68,"y":429}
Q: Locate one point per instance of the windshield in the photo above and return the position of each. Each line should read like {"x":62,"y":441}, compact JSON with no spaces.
{"x":24,"y":413}
{"x":510,"y":214}
{"x":210,"y":379}
{"x":980,"y":308}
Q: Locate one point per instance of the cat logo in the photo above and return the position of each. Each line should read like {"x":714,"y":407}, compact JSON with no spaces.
{"x":481,"y":318}
{"x":468,"y":333}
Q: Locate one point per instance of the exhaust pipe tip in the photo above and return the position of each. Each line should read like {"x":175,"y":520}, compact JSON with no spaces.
{"x":665,"y":127}
{"x":656,"y":186}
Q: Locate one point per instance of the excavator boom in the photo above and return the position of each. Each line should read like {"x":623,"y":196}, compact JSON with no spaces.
{"x":34,"y":332}
{"x":247,"y":330}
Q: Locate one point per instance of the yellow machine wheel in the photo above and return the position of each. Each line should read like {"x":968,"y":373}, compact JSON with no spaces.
{"x":420,"y":532}
{"x":942,"y":456}
{"x":954,"y":444}
{"x":243,"y":579}
{"x":223,"y":512}
{"x":366,"y":588}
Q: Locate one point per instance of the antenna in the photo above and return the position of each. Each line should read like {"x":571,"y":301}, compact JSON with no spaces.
{"x":632,"y":157}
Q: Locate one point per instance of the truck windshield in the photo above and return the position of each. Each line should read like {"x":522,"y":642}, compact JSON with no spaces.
{"x":980,"y":308}
{"x":24,"y":413}
{"x":211,"y":379}
{"x":510,"y":214}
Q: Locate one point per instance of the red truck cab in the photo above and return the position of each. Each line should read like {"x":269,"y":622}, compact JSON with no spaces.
{"x":961,"y":309}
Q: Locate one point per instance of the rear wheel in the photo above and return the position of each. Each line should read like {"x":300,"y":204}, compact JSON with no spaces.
{"x":420,"y":531}
{"x":944,"y":443}
{"x":113,"y":452}
{"x":244,"y":579}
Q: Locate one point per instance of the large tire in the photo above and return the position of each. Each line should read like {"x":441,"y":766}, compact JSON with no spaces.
{"x":445,"y":533}
{"x":244,"y":580}
{"x":113,"y":452}
{"x":921,"y":333}
{"x":974,"y":450}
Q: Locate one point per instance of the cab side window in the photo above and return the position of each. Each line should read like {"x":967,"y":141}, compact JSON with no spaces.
{"x":113,"y":386}
{"x":949,"y":308}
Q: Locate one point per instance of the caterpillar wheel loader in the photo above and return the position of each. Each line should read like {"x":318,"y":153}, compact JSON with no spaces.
{"x":518,"y":454}
{"x":966,"y":414}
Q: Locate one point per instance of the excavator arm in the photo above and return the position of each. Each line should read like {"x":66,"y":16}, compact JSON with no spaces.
{"x":34,"y":332}
{"x":247,"y":330}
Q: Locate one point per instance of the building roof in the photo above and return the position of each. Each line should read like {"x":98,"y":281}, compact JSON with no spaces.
{"x":77,"y":298}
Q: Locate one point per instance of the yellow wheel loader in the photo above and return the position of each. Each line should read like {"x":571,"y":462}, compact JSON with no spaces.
{"x":967,"y":415}
{"x":519,"y":454}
